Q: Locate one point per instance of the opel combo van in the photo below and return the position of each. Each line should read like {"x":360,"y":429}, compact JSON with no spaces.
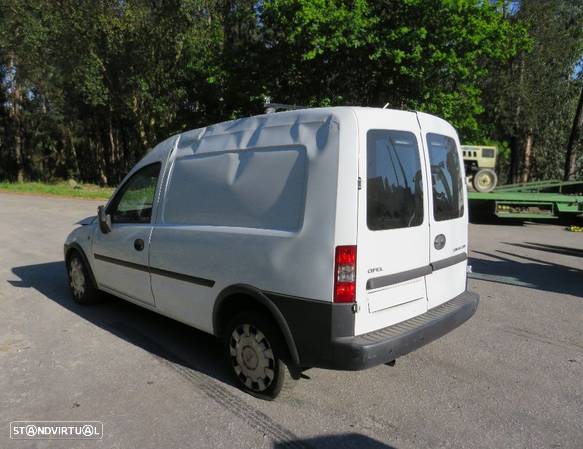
{"x":333,"y":238}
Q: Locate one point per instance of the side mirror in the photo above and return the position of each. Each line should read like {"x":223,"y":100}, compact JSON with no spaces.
{"x":104,"y":220}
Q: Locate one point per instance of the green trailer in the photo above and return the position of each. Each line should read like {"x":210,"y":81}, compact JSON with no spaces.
{"x":543,"y":199}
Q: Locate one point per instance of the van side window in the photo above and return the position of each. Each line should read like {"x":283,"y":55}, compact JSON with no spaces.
{"x":133,"y":204}
{"x":446,"y":178}
{"x":394,"y":180}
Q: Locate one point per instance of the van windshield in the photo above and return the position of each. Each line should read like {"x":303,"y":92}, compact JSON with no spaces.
{"x":446,"y":177}
{"x":394,"y":181}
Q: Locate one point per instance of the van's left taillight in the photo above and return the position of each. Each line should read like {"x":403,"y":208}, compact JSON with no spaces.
{"x":345,"y":274}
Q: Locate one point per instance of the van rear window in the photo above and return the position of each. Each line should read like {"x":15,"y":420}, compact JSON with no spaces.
{"x":394,"y":181}
{"x":446,"y":177}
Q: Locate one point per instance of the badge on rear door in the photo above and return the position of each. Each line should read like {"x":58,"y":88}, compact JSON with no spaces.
{"x":439,"y":241}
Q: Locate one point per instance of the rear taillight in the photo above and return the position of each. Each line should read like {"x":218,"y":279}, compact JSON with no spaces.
{"x":345,"y":274}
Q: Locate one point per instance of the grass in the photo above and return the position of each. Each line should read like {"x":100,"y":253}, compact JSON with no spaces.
{"x":63,"y":189}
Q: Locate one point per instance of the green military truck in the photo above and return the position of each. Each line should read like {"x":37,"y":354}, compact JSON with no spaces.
{"x":480,"y":163}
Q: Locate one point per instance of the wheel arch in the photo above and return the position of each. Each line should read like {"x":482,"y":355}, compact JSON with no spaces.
{"x":73,"y":247}
{"x":224,"y":308}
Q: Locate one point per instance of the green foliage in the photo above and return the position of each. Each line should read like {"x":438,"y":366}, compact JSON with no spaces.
{"x":86,"y":191}
{"x":109,"y":79}
{"x":419,"y":54}
{"x":87,"y":88}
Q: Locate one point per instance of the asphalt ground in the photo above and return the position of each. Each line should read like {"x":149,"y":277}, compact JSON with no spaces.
{"x":511,"y":377}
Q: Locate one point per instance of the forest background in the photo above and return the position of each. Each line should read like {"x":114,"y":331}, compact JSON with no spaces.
{"x":88,"y":87}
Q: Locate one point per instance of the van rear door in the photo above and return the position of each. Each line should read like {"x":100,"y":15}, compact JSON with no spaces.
{"x":448,"y":217}
{"x":393,"y":230}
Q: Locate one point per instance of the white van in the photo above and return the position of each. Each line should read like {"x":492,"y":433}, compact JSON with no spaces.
{"x":333,"y":238}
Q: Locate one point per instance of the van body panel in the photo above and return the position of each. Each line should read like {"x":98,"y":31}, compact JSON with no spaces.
{"x":259,"y":251}
{"x":346,"y":218}
{"x":390,"y":163}
{"x":440,"y":283}
{"x":446,"y":283}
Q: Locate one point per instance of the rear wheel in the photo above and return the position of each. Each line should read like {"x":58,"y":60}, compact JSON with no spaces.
{"x":80,"y":283}
{"x":253,"y":349}
{"x":485,"y":180}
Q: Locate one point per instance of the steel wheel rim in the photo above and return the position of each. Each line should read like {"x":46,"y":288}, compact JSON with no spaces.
{"x":252,"y":357}
{"x":77,"y":277}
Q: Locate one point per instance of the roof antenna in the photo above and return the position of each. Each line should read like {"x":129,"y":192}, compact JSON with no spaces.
{"x":386,"y":106}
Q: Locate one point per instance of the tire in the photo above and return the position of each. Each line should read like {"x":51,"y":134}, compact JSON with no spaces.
{"x":80,"y":283}
{"x":485,"y":180}
{"x":253,"y":350}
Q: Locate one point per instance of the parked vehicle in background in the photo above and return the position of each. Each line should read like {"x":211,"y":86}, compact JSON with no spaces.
{"x":480,"y":165}
{"x":333,"y":238}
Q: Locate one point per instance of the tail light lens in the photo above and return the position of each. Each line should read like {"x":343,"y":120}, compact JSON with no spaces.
{"x":345,"y":274}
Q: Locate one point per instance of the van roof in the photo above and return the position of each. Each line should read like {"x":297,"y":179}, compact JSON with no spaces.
{"x":322,"y":112}
{"x":244,"y":130}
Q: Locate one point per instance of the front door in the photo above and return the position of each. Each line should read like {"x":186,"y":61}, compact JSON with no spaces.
{"x":393,"y":230}
{"x":121,"y":256}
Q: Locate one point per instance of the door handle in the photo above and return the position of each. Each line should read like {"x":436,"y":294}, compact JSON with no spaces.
{"x":139,"y":244}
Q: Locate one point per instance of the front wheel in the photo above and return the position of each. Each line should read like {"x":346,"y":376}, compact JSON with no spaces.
{"x":253,"y":347}
{"x":80,"y":283}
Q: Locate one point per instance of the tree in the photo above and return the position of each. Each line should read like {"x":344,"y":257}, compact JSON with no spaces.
{"x":21,"y":32}
{"x":574,"y":139}
{"x":92,"y":86}
{"x":87,"y":88}
{"x":532,"y":98}
{"x":420,"y":54}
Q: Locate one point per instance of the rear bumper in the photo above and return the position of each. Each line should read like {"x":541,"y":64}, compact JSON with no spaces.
{"x":384,"y":345}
